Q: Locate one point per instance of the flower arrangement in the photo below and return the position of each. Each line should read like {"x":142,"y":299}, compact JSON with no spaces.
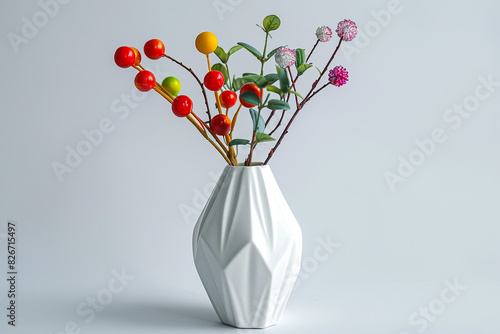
{"x":255,"y":90}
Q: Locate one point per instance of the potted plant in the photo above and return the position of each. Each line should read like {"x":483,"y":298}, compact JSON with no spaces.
{"x":247,"y":243}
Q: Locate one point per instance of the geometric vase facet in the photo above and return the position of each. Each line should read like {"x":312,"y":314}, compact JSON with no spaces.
{"x":247,"y":248}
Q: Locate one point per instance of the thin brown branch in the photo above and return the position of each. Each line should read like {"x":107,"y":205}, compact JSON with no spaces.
{"x":314,"y":47}
{"x":279,"y":123}
{"x":322,"y":72}
{"x":248,"y":162}
{"x":197,"y":79}
{"x":308,"y":97}
{"x":269,"y":118}
{"x":285,"y":131}
{"x":293,"y":86}
{"x":318,"y":90}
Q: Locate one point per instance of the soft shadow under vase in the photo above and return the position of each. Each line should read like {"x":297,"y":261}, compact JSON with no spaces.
{"x":247,"y":248}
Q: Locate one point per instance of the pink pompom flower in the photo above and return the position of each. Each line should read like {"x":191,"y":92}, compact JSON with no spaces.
{"x":347,"y":29}
{"x":285,"y":57}
{"x":324,"y":34}
{"x":338,"y":76}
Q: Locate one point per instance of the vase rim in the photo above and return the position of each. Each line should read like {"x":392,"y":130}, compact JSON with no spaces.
{"x":254,"y":164}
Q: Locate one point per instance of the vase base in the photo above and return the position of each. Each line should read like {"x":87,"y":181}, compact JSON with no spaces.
{"x":248,"y":327}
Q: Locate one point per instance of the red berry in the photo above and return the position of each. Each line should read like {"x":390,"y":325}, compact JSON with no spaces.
{"x":251,"y":87}
{"x":221,"y":124}
{"x":154,"y":49}
{"x":145,"y":81}
{"x":182,"y":106}
{"x":214,"y":80}
{"x":137,"y":56}
{"x":124,"y":56}
{"x":228,"y":99}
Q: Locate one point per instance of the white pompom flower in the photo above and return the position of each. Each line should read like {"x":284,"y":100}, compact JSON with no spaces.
{"x":324,"y":34}
{"x":285,"y":57}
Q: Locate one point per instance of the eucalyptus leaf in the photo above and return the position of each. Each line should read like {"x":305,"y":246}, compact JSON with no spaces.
{"x":258,"y":122}
{"x":271,"y":78}
{"x":234,"y":49}
{"x":274,"y":89}
{"x":278,"y":105}
{"x":297,"y":93}
{"x":238,"y":83}
{"x":259,"y":80}
{"x":300,"y":57}
{"x":302,"y":68}
{"x":223,"y":56}
{"x":221,"y":68}
{"x":250,"y":97}
{"x":271,"y":22}
{"x":262,"y":137}
{"x":252,"y":50}
{"x":283,"y":78}
{"x":239,"y":142}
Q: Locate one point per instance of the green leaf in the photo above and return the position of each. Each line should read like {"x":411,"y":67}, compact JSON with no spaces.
{"x":259,"y":80}
{"x":296,"y":93}
{"x":271,"y":22}
{"x":271,"y":78}
{"x":270,"y":54}
{"x":278,"y":105}
{"x":274,"y":89}
{"x":302,"y":68}
{"x":250,"y":97}
{"x":238,"y":83}
{"x":239,"y":142}
{"x":283,"y":78}
{"x":234,"y":49}
{"x":258,"y":122}
{"x":300,"y":57}
{"x":221,"y":68}
{"x":262,"y":137}
{"x":252,"y":50}
{"x":223,"y":56}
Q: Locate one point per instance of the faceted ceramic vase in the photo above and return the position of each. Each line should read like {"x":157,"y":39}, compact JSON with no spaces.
{"x":247,"y":248}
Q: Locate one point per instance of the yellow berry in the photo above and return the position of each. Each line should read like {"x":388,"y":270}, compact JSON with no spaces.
{"x":206,"y":42}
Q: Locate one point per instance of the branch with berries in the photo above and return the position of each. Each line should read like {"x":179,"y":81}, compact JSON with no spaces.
{"x":252,"y":91}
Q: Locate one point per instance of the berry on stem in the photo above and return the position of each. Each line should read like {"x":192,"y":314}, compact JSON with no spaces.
{"x":182,"y":106}
{"x":154,"y":49}
{"x":206,"y":42}
{"x":125,"y":56}
{"x":137,"y":56}
{"x":214,"y":80}
{"x":172,"y":85}
{"x":145,"y":81}
{"x":221,"y":124}
{"x":228,"y":99}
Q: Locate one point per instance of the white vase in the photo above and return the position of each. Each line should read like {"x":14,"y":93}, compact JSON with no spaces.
{"x":247,"y":248}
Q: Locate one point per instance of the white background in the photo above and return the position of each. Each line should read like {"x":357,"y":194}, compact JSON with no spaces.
{"x":121,"y":207}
